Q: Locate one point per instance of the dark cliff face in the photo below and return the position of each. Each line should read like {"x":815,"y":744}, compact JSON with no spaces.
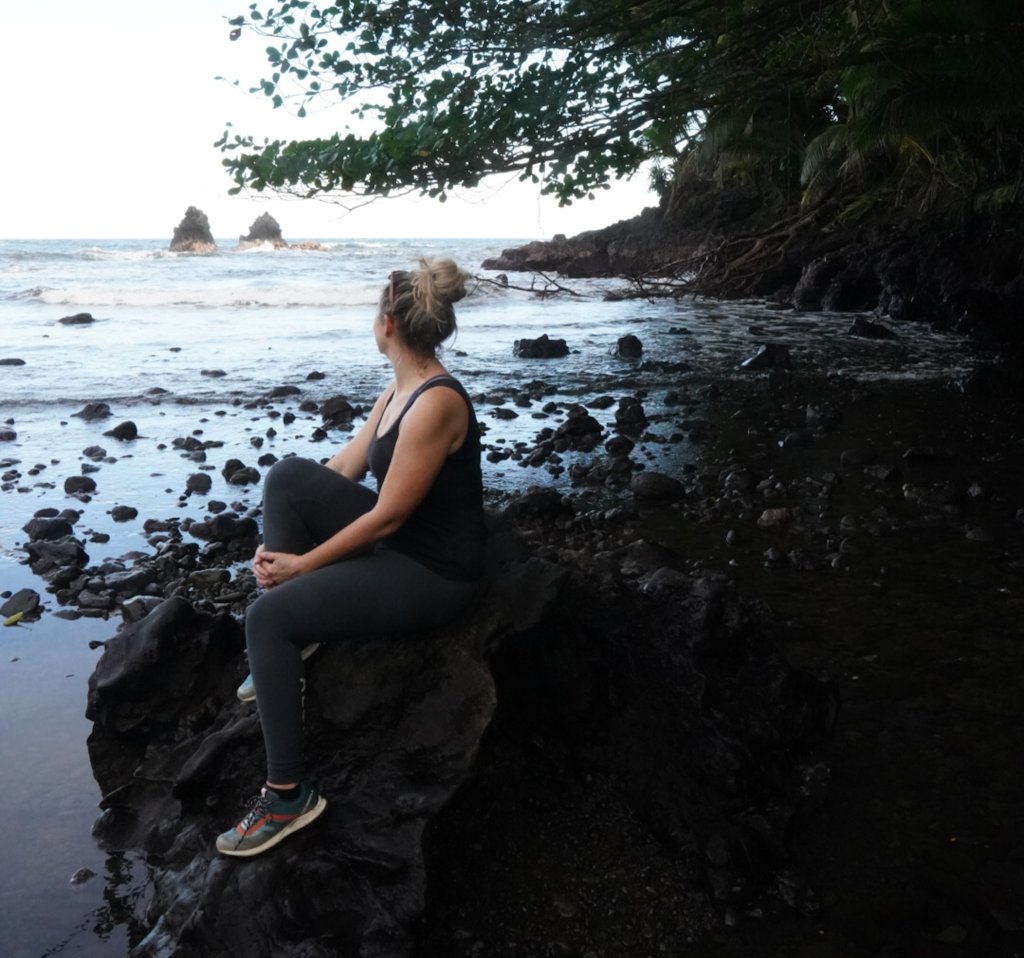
{"x":965,"y":274}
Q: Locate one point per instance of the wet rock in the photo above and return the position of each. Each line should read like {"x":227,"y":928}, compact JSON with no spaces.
{"x":130,"y":581}
{"x":881,"y":471}
{"x":81,"y":876}
{"x":199,"y":482}
{"x":24,"y":602}
{"x":7,"y":434}
{"x":123,"y":513}
{"x":192,"y":234}
{"x":79,"y":319}
{"x":629,"y":347}
{"x":630,"y":416}
{"x":540,"y":348}
{"x":225,"y":527}
{"x":619,"y":445}
{"x":648,"y":486}
{"x":580,"y":431}
{"x":213,"y":373}
{"x":279,"y":392}
{"x":53,"y":527}
{"x":97,"y":601}
{"x":814,"y":281}
{"x":774,"y":518}
{"x":12,"y":361}
{"x":869,"y":330}
{"x":538,"y":504}
{"x":237,"y":473}
{"x":139,"y":606}
{"x":125,"y":431}
{"x":46,"y":557}
{"x":76,"y":485}
{"x":337,"y":412}
{"x":93,"y":411}
{"x":768,"y":356}
{"x":264,"y":229}
{"x":207,"y":580}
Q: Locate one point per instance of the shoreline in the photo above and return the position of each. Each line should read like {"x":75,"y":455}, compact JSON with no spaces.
{"x":906,"y":523}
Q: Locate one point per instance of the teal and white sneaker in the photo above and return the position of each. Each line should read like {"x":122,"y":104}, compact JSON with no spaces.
{"x":247,"y":691}
{"x":271,"y":819}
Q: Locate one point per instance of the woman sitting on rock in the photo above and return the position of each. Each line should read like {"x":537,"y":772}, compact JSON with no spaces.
{"x":339,"y":560}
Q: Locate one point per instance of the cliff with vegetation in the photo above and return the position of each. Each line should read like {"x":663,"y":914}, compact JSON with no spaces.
{"x":862,"y":152}
{"x":957,"y":270}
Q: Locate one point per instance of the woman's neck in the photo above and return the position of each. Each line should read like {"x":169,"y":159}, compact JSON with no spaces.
{"x":411,"y":369}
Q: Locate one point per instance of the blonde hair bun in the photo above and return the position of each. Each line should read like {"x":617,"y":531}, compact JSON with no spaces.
{"x":423,"y":300}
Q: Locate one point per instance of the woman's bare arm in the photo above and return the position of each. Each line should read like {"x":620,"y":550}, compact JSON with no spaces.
{"x":433,"y":427}
{"x":351,"y":459}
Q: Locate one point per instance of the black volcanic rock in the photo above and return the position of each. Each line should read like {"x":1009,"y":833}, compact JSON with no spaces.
{"x":393,"y":725}
{"x":264,"y":229}
{"x":192,"y":234}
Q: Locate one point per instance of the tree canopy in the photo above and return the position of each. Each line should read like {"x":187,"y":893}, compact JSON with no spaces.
{"x":905,"y":100}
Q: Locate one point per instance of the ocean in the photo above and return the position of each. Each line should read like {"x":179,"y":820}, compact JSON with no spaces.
{"x":194,"y":345}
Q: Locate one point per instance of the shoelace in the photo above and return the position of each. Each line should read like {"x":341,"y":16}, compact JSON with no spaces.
{"x":256,"y":808}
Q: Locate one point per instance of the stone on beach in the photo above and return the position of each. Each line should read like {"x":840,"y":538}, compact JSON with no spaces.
{"x":125,"y":431}
{"x":768,"y":356}
{"x":24,"y":603}
{"x":76,"y":485}
{"x":93,"y":411}
{"x":543,"y":347}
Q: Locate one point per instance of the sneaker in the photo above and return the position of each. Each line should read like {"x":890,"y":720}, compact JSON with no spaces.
{"x":247,"y":691}
{"x":271,"y":819}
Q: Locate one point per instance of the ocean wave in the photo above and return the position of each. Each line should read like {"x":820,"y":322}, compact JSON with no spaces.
{"x":210,"y":297}
{"x":33,"y":292}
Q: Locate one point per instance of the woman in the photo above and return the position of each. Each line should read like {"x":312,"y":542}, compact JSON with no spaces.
{"x":336,"y":556}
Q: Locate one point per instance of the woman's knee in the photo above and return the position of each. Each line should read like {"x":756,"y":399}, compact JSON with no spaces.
{"x":287,"y":473}
{"x":268,"y":619}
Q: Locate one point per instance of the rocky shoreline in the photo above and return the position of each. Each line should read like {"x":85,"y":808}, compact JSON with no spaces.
{"x":965,"y":275}
{"x":822,"y":508}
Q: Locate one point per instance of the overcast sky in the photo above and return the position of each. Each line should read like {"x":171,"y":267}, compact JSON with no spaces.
{"x":110,"y":109}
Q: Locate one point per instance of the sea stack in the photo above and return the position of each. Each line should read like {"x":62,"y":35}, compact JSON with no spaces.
{"x":264,"y":229}
{"x":192,"y":234}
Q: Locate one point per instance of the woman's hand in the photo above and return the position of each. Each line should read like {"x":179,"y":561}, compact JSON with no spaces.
{"x":273,"y":568}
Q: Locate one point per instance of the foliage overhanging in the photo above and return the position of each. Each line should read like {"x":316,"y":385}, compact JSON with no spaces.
{"x":901,"y":100}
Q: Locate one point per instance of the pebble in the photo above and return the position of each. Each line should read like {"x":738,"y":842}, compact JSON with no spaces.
{"x":81,"y":876}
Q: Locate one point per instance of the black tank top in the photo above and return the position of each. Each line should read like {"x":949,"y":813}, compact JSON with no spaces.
{"x":446,"y":531}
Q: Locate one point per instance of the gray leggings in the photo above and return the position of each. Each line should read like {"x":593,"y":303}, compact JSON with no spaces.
{"x":305,"y":503}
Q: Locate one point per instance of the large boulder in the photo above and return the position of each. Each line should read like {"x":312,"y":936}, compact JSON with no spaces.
{"x":192,"y":234}
{"x":670,"y":683}
{"x":393,"y":724}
